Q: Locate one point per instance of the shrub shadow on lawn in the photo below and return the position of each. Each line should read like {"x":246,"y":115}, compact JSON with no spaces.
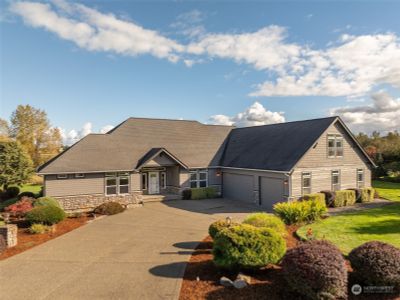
{"x":380,"y":227}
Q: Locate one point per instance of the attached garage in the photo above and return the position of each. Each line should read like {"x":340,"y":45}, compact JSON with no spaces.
{"x":238,"y":187}
{"x":271,"y":191}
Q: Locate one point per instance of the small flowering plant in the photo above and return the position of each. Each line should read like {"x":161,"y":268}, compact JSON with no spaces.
{"x":20,"y":208}
{"x":310,"y":234}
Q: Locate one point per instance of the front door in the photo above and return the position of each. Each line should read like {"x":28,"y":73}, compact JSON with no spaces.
{"x":154,"y":183}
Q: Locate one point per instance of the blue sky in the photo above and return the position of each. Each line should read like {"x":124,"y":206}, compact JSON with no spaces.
{"x":240,"y":63}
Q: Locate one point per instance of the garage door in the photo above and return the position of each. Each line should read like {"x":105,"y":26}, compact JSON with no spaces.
{"x":238,"y":187}
{"x":271,"y":190}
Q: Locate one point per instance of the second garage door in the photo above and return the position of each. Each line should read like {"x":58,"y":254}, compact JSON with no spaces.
{"x":238,"y":187}
{"x":272,"y":190}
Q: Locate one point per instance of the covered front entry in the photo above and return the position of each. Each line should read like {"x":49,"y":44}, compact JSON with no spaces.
{"x":154,"y":183}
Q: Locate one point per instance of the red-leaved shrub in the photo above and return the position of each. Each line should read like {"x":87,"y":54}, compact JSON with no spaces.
{"x":20,"y":208}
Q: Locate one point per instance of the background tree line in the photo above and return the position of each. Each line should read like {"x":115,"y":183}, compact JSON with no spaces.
{"x":27,"y":140}
{"x":385,"y":151}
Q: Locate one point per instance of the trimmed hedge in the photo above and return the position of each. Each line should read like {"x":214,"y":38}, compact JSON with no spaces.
{"x":344,"y":198}
{"x":367,"y":194}
{"x":48,"y":215}
{"x":298,"y":212}
{"x":315,"y":197}
{"x":217,"y":226}
{"x":203,"y":193}
{"x":247,"y":247}
{"x":109,"y":208}
{"x":358,"y":193}
{"x":376,"y":263}
{"x":266,"y":220}
{"x":329,"y":198}
{"x":316,"y":270}
{"x":46,"y":201}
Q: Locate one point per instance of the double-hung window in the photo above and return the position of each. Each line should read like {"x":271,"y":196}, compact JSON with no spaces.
{"x":335,"y":145}
{"x":163,"y":180}
{"x":306,"y":183}
{"x":198,"y":178}
{"x":360,"y":178}
{"x":117,"y":183}
{"x":335,"y":180}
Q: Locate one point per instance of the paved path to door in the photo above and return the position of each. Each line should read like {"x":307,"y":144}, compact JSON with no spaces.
{"x":139,"y":254}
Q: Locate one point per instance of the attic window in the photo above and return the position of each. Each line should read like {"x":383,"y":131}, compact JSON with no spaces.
{"x":62,"y":176}
{"x":335,"y":145}
{"x":79,"y":175}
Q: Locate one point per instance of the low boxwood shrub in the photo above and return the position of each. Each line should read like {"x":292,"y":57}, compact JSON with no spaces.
{"x":367,"y":194}
{"x":316,"y":270}
{"x":329,"y":198}
{"x":358,"y":193}
{"x":109,"y":208}
{"x":376,"y":263}
{"x":38,"y":228}
{"x":48,"y":215}
{"x":247,"y":247}
{"x":266,"y":220}
{"x":45,"y":201}
{"x":297,"y":212}
{"x":315,"y":197}
{"x":12,"y":191}
{"x":344,"y":198}
{"x":211,"y":192}
{"x":187,"y":194}
{"x":217,"y":226}
{"x":26,"y":194}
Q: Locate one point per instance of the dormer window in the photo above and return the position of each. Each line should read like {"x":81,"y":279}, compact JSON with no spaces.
{"x":335,"y":145}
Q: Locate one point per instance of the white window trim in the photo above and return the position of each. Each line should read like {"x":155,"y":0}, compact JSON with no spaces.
{"x":62,"y":176}
{"x":164,"y":180}
{"x":198,"y":180}
{"x":361,"y":183}
{"x":339,"y":180}
{"x":117,"y":185}
{"x":334,"y":137}
{"x":303,"y":175}
{"x":79,"y":175}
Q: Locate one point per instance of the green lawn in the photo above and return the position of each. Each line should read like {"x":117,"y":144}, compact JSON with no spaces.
{"x":350,"y":230}
{"x":387,"y":190}
{"x":34,"y":188}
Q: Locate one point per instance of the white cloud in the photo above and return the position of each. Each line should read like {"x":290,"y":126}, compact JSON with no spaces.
{"x":382,"y":115}
{"x":188,"y":23}
{"x":254,"y":115}
{"x":95,"y":31}
{"x":106,"y":128}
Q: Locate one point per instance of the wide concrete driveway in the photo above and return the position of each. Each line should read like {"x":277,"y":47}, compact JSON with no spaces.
{"x":139,"y":254}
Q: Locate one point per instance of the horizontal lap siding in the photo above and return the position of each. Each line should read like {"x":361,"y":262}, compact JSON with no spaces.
{"x":92,"y":183}
{"x":317,"y":162}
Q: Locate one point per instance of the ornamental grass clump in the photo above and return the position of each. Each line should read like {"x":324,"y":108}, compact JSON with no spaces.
{"x":376,"y":263}
{"x":38,"y":228}
{"x":245,"y":247}
{"x":298,"y":212}
{"x":316,"y":270}
{"x":267,"y":221}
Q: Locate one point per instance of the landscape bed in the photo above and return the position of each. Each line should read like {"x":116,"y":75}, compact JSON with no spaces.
{"x":27,"y":240}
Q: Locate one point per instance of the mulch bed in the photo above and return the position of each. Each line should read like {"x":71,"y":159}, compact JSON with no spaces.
{"x":201,"y":278}
{"x":27,"y":240}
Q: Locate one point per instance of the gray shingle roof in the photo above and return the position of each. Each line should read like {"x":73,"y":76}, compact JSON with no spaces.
{"x":193,"y":143}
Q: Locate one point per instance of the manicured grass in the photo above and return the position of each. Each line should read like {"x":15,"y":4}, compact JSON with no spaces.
{"x":350,"y":230}
{"x":387,"y":190}
{"x":34,"y":188}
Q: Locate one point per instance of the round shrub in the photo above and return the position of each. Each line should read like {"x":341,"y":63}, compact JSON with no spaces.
{"x":12,"y":191}
{"x":266,"y":220}
{"x":26,"y":194}
{"x":217,"y":226}
{"x":376,"y":263}
{"x":109,"y":208}
{"x":45,"y":215}
{"x":247,"y":247}
{"x":46,"y":201}
{"x":316,"y":270}
{"x":329,"y":198}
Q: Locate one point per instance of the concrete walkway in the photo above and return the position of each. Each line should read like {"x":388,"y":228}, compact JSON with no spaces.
{"x":139,"y":254}
{"x":333,"y":211}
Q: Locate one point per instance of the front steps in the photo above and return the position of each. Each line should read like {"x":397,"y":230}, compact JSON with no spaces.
{"x":159,"y":198}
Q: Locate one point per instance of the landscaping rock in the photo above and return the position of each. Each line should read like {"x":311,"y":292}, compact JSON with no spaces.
{"x":225,"y":281}
{"x":240,"y":283}
{"x":244,"y":277}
